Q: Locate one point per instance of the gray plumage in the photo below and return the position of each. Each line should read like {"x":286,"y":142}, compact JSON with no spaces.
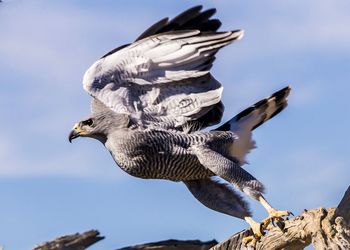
{"x":151,"y":99}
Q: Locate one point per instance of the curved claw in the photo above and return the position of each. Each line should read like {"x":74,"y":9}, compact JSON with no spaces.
{"x":276,"y":218}
{"x":281,"y":224}
{"x":273,"y":222}
{"x":262,"y":230}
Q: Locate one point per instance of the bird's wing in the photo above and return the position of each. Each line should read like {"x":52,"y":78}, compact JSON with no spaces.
{"x":161,"y":79}
{"x":98,"y":107}
{"x":191,"y":19}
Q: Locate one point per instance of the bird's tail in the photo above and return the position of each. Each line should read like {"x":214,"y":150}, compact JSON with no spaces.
{"x":245,"y":122}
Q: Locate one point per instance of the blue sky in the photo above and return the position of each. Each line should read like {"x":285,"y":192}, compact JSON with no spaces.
{"x":49,"y":187}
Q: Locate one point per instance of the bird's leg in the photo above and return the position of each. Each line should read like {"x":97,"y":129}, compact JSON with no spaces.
{"x":259,"y":228}
{"x":274,"y":215}
{"x":257,"y":231}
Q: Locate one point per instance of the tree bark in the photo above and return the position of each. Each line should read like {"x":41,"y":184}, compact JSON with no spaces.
{"x":174,"y":245}
{"x":323,"y":228}
{"x":72,"y":242}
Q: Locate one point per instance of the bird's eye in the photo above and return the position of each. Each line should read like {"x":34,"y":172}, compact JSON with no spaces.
{"x":87,"y":122}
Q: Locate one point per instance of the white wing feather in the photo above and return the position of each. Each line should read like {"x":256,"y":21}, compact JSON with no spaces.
{"x":160,"y":79}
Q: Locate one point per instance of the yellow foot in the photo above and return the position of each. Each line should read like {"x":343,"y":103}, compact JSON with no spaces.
{"x":248,"y":239}
{"x":275,"y":216}
{"x":257,"y":231}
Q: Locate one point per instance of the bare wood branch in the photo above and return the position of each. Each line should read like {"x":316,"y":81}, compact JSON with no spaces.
{"x":324,"y":228}
{"x":174,"y":245}
{"x":343,"y":209}
{"x":72,"y":242}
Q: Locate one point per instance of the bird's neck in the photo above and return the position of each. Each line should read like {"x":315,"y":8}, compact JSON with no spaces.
{"x":100,"y":137}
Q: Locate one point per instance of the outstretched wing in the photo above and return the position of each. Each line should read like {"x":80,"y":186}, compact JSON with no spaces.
{"x":161,"y":80}
{"x":191,"y":19}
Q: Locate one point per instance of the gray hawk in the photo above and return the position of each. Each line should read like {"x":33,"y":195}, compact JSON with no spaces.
{"x":151,"y":101}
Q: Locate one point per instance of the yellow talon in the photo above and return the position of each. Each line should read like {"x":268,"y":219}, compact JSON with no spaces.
{"x":257,"y":231}
{"x":248,"y":239}
{"x":259,"y":228}
{"x":274,"y":215}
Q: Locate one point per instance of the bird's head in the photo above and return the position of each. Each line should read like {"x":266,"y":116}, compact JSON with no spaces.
{"x":98,"y":126}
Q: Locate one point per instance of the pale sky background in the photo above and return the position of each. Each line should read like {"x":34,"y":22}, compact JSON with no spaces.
{"x":49,"y":187}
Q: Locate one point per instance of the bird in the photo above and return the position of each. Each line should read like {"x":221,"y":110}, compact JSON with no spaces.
{"x":152,"y":101}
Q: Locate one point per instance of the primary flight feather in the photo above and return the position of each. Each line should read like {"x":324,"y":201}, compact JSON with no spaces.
{"x":152,"y":98}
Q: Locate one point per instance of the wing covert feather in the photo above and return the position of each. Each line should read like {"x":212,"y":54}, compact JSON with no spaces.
{"x":162,"y":80}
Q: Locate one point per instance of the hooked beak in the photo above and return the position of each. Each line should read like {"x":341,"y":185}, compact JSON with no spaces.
{"x":72,"y":135}
{"x":76,"y":131}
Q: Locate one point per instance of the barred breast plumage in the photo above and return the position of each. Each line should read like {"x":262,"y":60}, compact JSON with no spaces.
{"x":161,"y":154}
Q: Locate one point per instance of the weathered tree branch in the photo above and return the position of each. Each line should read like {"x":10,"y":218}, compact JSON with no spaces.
{"x":324,"y":228}
{"x":72,"y":242}
{"x":174,"y":245}
{"x":82,"y":241}
{"x":343,"y":209}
